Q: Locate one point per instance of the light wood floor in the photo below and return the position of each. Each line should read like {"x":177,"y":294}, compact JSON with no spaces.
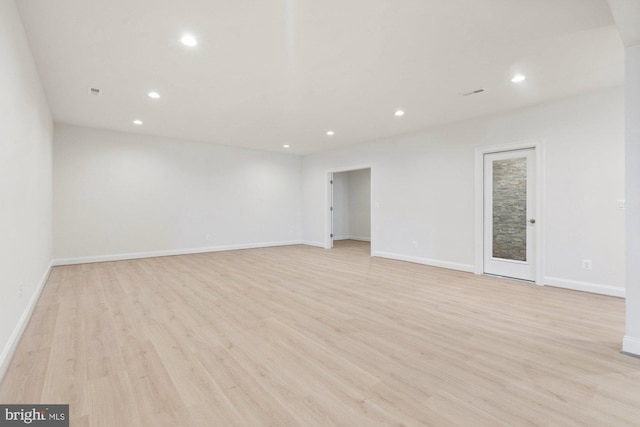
{"x":301,"y":336}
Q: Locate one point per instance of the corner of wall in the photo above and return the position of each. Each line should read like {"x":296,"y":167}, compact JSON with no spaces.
{"x":12,"y":344}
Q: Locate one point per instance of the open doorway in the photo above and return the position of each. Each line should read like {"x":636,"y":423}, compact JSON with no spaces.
{"x":350,"y":206}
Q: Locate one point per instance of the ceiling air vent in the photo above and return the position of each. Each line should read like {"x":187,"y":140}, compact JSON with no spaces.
{"x":94,"y":91}
{"x":473,"y":92}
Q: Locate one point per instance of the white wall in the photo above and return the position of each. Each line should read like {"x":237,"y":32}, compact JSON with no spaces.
{"x":341,"y":206}
{"x":632,"y":90}
{"x":120,"y":195}
{"x":25,"y":182}
{"x":423,"y":189}
{"x":360,"y":204}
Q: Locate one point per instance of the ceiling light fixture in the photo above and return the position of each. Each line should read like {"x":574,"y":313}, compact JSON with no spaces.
{"x":286,"y":146}
{"x":399,"y":113}
{"x":518,"y":78}
{"x":330,"y":133}
{"x":154,"y":95}
{"x":189,"y":40}
{"x":137,"y":122}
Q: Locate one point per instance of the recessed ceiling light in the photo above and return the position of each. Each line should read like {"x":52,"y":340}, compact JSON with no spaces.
{"x":399,"y":113}
{"x":286,"y":146}
{"x":518,"y":78}
{"x":137,"y":122}
{"x":189,"y":40}
{"x":154,"y":95}
{"x":330,"y":133}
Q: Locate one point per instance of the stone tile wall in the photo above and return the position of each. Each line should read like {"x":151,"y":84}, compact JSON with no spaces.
{"x":510,"y":209}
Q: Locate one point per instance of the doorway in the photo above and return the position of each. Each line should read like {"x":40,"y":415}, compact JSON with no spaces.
{"x":508,"y":211}
{"x":509,"y":214}
{"x":349,"y":206}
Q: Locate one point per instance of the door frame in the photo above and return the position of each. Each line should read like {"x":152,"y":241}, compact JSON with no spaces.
{"x":328,"y":223}
{"x":538,"y":146}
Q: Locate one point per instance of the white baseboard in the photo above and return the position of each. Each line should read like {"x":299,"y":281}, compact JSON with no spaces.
{"x":311,"y":243}
{"x":154,"y":254}
{"x":426,"y":261}
{"x":631,"y":345}
{"x":14,"y":339}
{"x":576,"y":285}
{"x":360,"y":239}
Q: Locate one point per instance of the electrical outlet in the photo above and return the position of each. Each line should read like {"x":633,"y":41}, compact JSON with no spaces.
{"x":586,"y":264}
{"x":414,"y":243}
{"x":620,"y":204}
{"x":208,"y":237}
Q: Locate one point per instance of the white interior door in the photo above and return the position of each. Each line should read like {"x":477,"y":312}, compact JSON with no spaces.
{"x":509,"y":214}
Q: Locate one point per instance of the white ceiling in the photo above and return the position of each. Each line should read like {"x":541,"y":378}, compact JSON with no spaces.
{"x":268,"y":73}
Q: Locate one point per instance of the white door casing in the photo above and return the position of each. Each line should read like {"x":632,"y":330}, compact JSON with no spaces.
{"x":331,"y":211}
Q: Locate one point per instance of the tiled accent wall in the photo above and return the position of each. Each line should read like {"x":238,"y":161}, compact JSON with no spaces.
{"x":510,"y":209}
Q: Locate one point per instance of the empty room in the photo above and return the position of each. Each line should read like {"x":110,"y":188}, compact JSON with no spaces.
{"x":320,"y":213}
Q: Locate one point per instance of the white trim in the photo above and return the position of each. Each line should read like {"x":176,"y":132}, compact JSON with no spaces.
{"x":631,"y":345}
{"x":539,"y":146}
{"x":314,"y":244}
{"x":425,"y":261}
{"x":359,"y":239}
{"x":596,"y":288}
{"x":154,"y":254}
{"x":14,"y":339}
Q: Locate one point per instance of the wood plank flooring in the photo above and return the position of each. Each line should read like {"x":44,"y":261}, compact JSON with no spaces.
{"x":301,"y":336}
